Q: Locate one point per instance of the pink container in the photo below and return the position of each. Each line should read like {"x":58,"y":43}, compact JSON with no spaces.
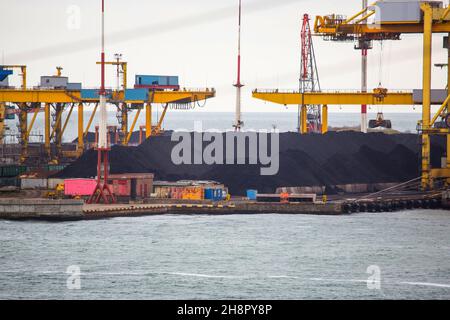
{"x":79,"y":187}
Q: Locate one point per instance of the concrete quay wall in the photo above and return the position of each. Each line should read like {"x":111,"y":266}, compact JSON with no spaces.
{"x":43,"y":209}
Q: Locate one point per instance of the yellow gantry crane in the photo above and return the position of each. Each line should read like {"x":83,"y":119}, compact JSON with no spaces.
{"x":22,"y":108}
{"x":391,"y":19}
{"x":30,"y":100}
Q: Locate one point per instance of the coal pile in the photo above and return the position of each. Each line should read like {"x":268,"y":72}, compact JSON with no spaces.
{"x":134,"y":139}
{"x":308,"y":160}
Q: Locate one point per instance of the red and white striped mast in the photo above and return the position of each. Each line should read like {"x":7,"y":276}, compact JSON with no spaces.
{"x":238,"y":121}
{"x":364,"y":78}
{"x":102,"y":190}
{"x":102,"y":139}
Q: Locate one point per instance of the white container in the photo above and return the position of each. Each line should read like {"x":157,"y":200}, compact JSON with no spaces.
{"x":33,"y":183}
{"x":398,"y":12}
{"x":54,"y":82}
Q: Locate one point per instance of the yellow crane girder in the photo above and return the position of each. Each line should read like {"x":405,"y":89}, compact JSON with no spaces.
{"x":62,"y":96}
{"x":357,"y":25}
{"x":336,"y":98}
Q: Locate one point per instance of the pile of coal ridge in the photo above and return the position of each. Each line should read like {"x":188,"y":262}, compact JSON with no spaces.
{"x":304,"y":160}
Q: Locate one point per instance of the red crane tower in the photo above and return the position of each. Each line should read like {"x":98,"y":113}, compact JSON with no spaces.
{"x":309,"y":115}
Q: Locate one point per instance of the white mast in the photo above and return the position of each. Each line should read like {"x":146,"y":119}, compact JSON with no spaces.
{"x":102,"y":134}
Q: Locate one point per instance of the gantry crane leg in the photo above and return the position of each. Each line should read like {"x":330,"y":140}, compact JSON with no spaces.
{"x":448,"y":105}
{"x":304,"y":119}
{"x":23,"y":127}
{"x":47,"y":124}
{"x":124,"y":128}
{"x":2,"y":121}
{"x":148,"y":120}
{"x":324,"y":119}
{"x":426,"y":109}
{"x":80,"y":144}
{"x":57,"y":130}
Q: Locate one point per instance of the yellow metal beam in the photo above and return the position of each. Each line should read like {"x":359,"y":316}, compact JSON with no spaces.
{"x":445,"y":14}
{"x":324,"y":119}
{"x":57,"y":123}
{"x":334,"y":98}
{"x":90,"y":120}
{"x":327,"y":26}
{"x":448,"y":105}
{"x":33,"y":119}
{"x":441,"y":109}
{"x":364,"y":18}
{"x":124,"y":110}
{"x":426,"y":106}
{"x":2,"y":121}
{"x":66,"y":121}
{"x":23,"y":124}
{"x":80,"y":145}
{"x":443,"y":27}
{"x":148,"y":120}
{"x":132,"y":126}
{"x":47,"y":129}
{"x":62,"y":96}
{"x":440,"y":173}
{"x":304,"y":119}
{"x":38,"y":96}
{"x":161,"y":119}
{"x":355,"y":16}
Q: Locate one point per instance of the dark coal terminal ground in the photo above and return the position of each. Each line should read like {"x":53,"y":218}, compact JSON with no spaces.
{"x":304,"y":160}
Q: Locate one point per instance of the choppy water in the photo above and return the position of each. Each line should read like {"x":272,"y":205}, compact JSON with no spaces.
{"x":235,"y":257}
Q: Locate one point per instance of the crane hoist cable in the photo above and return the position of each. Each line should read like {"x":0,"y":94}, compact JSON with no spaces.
{"x":380,"y":66}
{"x":380,"y":74}
{"x":201,"y":106}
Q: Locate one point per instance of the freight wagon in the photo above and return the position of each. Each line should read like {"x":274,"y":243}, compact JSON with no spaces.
{"x":9,"y":182}
{"x":132,"y":185}
{"x":190,"y":190}
{"x":215,"y":194}
{"x":285,"y":197}
{"x":12,"y":171}
{"x":32,"y":183}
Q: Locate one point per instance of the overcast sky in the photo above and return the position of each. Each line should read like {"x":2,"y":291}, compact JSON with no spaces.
{"x":197,"y":40}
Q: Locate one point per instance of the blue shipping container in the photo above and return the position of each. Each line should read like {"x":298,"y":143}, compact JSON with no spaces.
{"x":252,"y":194}
{"x":209,"y":194}
{"x":147,"y":80}
{"x":214,"y":194}
{"x":136,"y":94}
{"x":173,"y":81}
{"x":155,"y":80}
{"x":75,"y":86}
{"x":93,"y":94}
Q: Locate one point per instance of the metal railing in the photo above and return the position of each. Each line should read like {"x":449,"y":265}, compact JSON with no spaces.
{"x":108,"y":89}
{"x":293,"y":91}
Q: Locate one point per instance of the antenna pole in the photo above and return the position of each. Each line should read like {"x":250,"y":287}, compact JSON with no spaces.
{"x":238,"y":122}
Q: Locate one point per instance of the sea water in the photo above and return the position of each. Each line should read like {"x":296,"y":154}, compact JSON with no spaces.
{"x":397,"y":255}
